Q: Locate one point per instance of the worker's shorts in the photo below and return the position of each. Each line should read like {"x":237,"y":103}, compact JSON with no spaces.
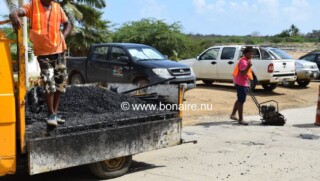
{"x":241,"y":93}
{"x":53,"y":72}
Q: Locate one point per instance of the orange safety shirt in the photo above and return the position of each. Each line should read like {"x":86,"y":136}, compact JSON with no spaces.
{"x":238,"y":78}
{"x":45,"y":25}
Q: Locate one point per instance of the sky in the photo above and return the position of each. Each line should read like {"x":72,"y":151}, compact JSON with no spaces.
{"x":220,"y":17}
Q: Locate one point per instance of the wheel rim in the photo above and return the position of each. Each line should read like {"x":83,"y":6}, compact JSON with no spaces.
{"x":142,"y":83}
{"x":115,"y":164}
{"x":76,"y":79}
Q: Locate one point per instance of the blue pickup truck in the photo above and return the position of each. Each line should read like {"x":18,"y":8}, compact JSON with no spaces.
{"x":127,"y":63}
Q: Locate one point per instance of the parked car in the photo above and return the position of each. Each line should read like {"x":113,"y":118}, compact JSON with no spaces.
{"x":313,"y":56}
{"x":127,"y":63}
{"x":217,"y":64}
{"x":305,"y":70}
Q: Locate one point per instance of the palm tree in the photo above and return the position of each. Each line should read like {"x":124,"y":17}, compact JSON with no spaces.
{"x":86,"y":20}
{"x":11,"y":4}
{"x":88,"y":26}
{"x":294,"y":31}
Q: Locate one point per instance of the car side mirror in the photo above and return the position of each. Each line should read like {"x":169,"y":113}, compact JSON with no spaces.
{"x":123,"y":58}
{"x":197,"y":57}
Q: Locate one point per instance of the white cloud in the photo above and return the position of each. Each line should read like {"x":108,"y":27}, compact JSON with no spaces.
{"x":202,"y":7}
{"x":152,"y":8}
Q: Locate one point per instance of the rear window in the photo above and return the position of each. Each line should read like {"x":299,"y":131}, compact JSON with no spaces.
{"x":280,"y":53}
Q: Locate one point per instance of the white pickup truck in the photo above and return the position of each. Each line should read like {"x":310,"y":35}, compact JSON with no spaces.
{"x":217,"y":64}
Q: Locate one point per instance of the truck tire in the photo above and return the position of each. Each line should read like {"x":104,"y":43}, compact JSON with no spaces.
{"x":303,"y":83}
{"x":207,"y":82}
{"x":269,"y":86}
{"x":111,"y":168}
{"x":76,"y":79}
{"x":140,"y":83}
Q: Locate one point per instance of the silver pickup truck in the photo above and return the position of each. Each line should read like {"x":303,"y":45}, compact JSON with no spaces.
{"x":217,"y":64}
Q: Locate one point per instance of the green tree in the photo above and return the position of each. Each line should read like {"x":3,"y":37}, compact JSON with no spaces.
{"x":168,"y":39}
{"x":294,"y":31}
{"x":88,"y":26}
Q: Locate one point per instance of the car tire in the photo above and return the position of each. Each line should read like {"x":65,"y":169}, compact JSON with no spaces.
{"x":141,"y":83}
{"x":111,"y":168}
{"x":76,"y":79}
{"x":303,"y":82}
{"x":269,"y":86}
{"x":207,"y":82}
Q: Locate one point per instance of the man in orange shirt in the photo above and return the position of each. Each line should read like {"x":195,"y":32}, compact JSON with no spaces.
{"x":46,"y":18}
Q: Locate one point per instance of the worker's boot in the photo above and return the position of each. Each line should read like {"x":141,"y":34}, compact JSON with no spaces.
{"x":52,"y":120}
{"x":60,"y":120}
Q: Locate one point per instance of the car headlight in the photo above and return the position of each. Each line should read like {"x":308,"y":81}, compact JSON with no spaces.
{"x":306,"y":66}
{"x":191,"y":70}
{"x":162,"y":72}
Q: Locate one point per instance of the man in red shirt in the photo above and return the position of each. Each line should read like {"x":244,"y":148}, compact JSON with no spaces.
{"x":46,"y":18}
{"x":242,"y":74}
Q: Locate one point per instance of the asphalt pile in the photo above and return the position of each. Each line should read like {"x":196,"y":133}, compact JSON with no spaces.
{"x":85,"y":107}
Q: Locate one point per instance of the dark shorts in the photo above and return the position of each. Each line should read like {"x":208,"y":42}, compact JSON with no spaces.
{"x":53,"y":72}
{"x":241,"y":93}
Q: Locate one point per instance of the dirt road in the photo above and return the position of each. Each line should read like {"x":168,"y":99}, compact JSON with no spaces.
{"x":221,"y":97}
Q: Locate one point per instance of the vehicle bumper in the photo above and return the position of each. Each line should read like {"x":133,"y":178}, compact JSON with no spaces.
{"x":276,"y":79}
{"x":308,"y":74}
{"x":189,"y":82}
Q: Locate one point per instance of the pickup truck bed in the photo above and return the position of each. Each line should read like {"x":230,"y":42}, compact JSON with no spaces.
{"x":96,"y":129}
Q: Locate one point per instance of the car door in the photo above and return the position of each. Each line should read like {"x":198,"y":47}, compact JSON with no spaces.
{"x":98,"y":64}
{"x":120,"y":69}
{"x":206,"y":65}
{"x":226,"y":63}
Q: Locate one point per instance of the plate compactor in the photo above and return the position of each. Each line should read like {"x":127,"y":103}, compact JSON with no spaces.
{"x":269,"y":113}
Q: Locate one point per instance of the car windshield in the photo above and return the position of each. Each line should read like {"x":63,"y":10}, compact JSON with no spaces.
{"x":280,"y":53}
{"x":145,"y":54}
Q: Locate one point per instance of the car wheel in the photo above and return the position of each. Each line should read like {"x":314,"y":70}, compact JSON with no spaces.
{"x":207,"y":82}
{"x":288,"y":84}
{"x":76,"y":79}
{"x":269,"y":87}
{"x":303,"y":83}
{"x":111,"y":168}
{"x":141,"y":83}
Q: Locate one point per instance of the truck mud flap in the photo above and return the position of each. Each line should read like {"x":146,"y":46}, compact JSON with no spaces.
{"x":85,"y":147}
